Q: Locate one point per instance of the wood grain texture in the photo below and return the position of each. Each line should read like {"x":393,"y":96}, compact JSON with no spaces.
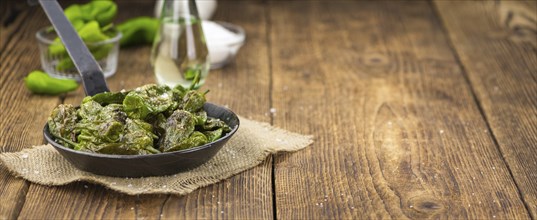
{"x":23,"y":114}
{"x":499,"y":53}
{"x":243,"y":86}
{"x":12,"y":13}
{"x":398,"y":134}
{"x":244,"y":196}
{"x":398,"y":131}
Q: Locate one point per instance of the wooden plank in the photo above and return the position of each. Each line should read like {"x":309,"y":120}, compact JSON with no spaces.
{"x":499,"y":53}
{"x":23,"y":114}
{"x":398,"y":134}
{"x":246,"y":195}
{"x":12,"y":13}
{"x":244,"y":87}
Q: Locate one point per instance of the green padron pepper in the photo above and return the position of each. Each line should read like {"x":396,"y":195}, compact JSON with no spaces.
{"x":159,"y":123}
{"x":99,"y":53}
{"x":101,"y":11}
{"x":214,"y":124}
{"x":75,"y":14}
{"x":106,"y":98}
{"x":140,"y":30}
{"x":90,"y":33}
{"x":192,"y":73}
{"x":147,"y":100}
{"x":147,"y":120}
{"x":41,"y":83}
{"x":89,"y":110}
{"x":214,"y":135}
{"x":193,"y":101}
{"x":62,"y":122}
{"x":179,"y":127}
{"x":139,"y":136}
{"x":195,"y":139}
{"x":56,"y":48}
{"x":101,"y":124}
{"x":138,"y":140}
{"x":201,"y":117}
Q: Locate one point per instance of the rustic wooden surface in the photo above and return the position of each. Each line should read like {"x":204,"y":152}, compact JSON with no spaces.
{"x":419,"y":110}
{"x":499,"y":54}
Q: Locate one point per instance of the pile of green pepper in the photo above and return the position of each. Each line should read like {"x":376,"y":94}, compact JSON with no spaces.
{"x":147,"y":120}
{"x":93,"y":22}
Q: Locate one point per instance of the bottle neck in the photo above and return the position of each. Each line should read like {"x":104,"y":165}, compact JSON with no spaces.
{"x":177,"y":10}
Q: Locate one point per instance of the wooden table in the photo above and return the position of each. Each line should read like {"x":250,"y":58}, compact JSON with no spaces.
{"x":419,"y":110}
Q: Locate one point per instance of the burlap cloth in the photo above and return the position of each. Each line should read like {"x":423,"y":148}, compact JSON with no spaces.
{"x":252,"y":143}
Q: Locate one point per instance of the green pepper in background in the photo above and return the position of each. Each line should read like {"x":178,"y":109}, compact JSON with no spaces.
{"x":140,"y":30}
{"x":96,"y":10}
{"x":91,"y":20}
{"x":66,"y":63}
{"x":90,"y":33}
{"x":41,"y":83}
{"x":101,"y":11}
{"x":75,"y":14}
{"x":56,"y":48}
{"x":192,"y":72}
{"x":99,"y":52}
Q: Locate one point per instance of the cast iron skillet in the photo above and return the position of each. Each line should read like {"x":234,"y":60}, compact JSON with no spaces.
{"x":152,"y":164}
{"x":94,"y":83}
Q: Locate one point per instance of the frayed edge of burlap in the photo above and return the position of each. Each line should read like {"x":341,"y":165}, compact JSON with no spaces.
{"x":269,"y":140}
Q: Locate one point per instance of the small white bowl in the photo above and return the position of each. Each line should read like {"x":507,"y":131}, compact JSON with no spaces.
{"x":223,"y":51}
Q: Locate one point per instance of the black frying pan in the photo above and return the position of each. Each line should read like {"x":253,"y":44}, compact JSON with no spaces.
{"x":94,"y":83}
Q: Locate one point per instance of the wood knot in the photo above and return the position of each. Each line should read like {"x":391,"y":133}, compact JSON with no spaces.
{"x":426,"y":205}
{"x":429,"y":206}
{"x":520,"y":21}
{"x":375,"y":60}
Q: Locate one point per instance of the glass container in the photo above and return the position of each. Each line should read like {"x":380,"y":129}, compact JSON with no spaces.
{"x":180,"y":55}
{"x":57,"y":63}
